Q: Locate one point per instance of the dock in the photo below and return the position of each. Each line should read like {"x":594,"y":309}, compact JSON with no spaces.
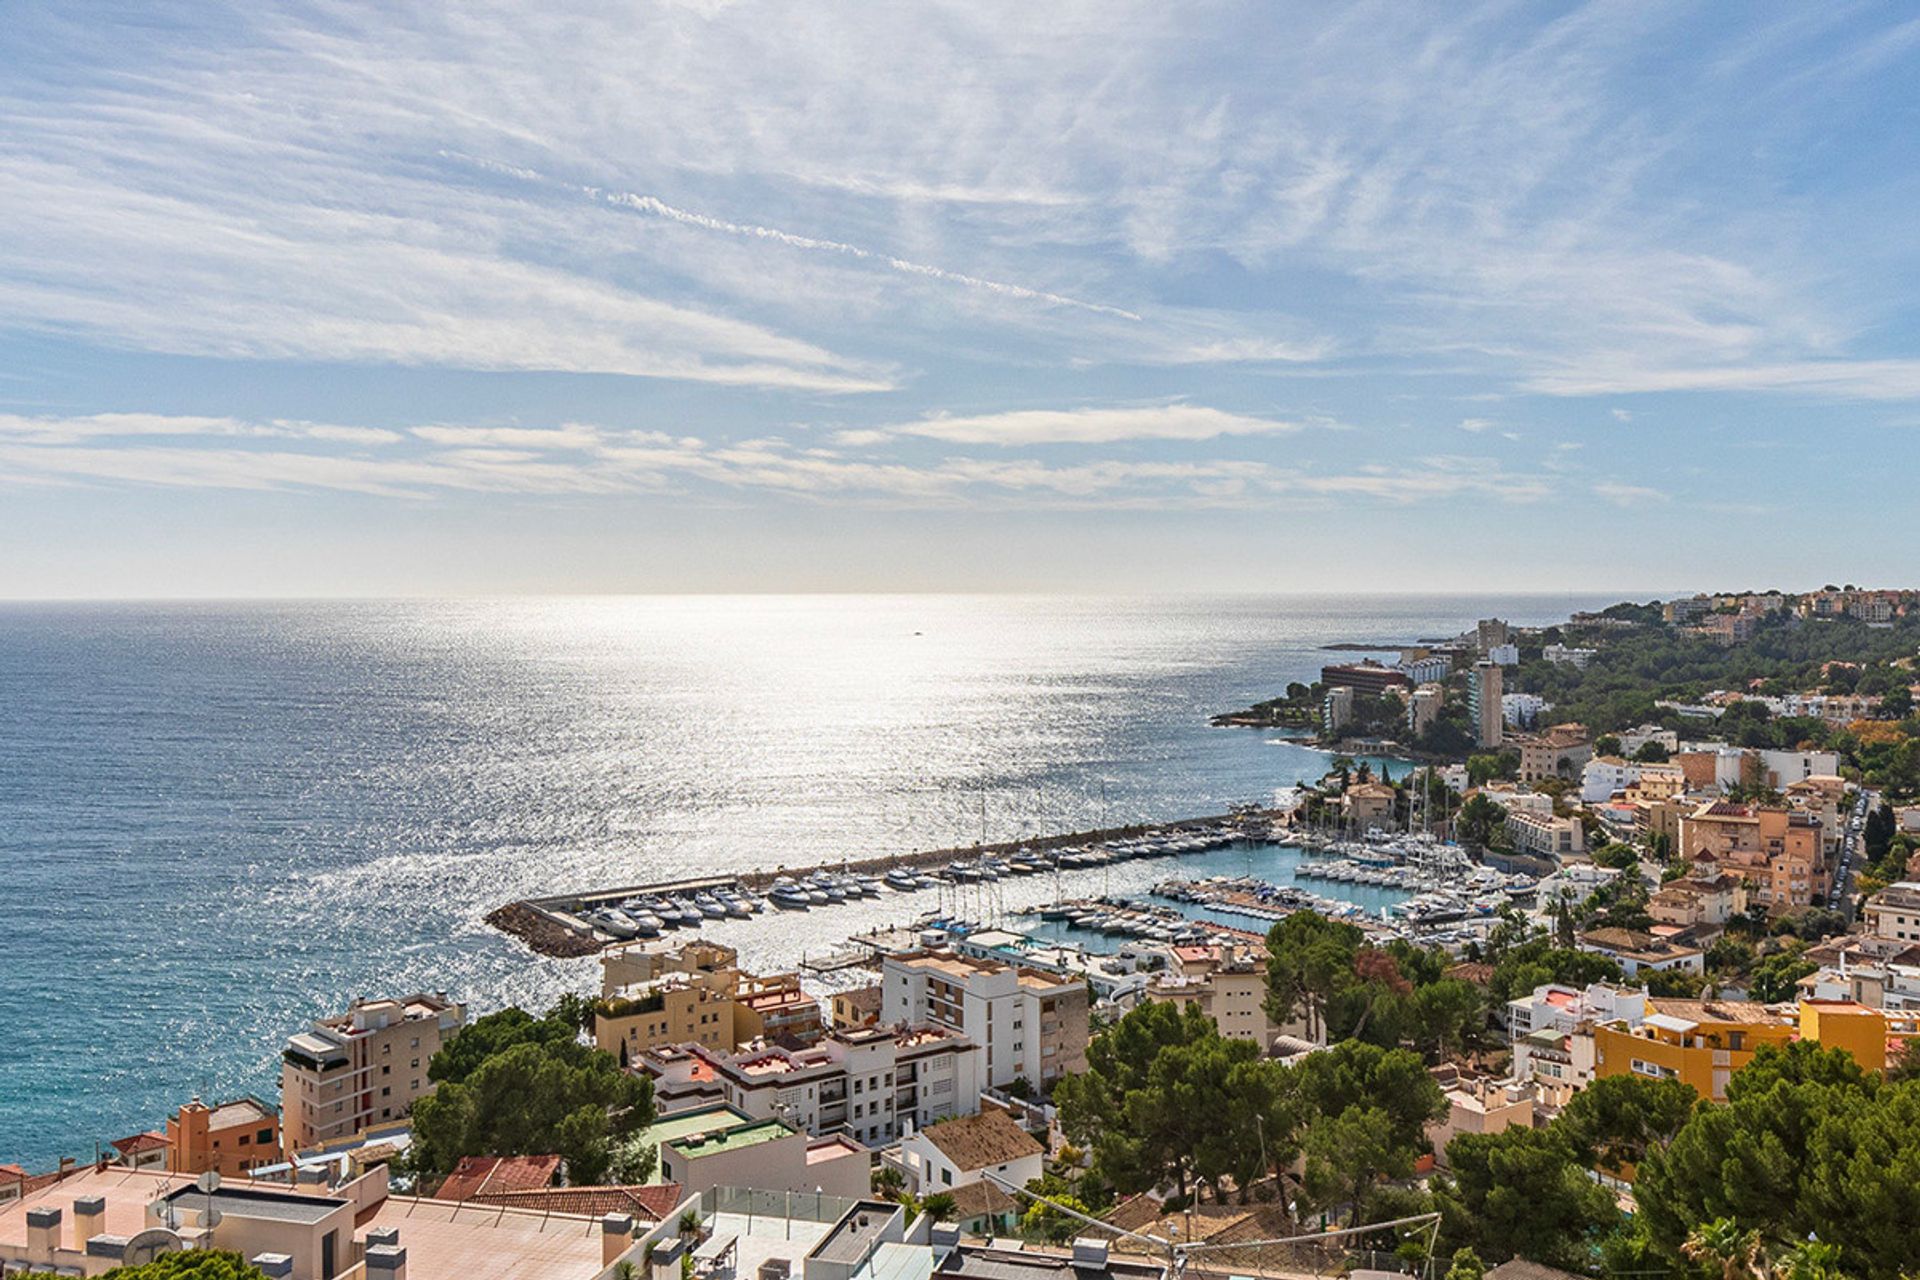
{"x":553,"y":925}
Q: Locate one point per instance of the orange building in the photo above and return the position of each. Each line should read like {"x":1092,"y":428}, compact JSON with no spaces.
{"x":230,"y":1139}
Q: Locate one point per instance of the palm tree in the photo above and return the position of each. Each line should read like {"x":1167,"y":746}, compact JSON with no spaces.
{"x":1736,"y":1252}
{"x":625,"y":1270}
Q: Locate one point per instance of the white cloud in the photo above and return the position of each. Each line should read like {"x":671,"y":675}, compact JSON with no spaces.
{"x":1476,"y":425}
{"x":1020,"y":427}
{"x":1628,"y":495}
{"x":1842,"y":379}
{"x":422,"y":461}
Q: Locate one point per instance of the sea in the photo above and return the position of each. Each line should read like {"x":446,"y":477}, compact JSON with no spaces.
{"x":221,"y":820}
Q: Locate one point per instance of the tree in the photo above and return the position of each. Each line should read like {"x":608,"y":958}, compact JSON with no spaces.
{"x":575,"y":1010}
{"x":491,"y":1034}
{"x":887,"y":1182}
{"x":939,"y":1207}
{"x":633,"y":1162}
{"x":531,"y":1098}
{"x":1309,"y":960}
{"x":1042,"y":1221}
{"x":1352,"y":1074}
{"x":1607,"y":745}
{"x":1466,"y":1266}
{"x":1349,"y":1152}
{"x":1527,"y":1197}
{"x":1652,"y":752}
{"x":1775,"y":978}
{"x":1479,"y":820}
{"x":1722,"y":1244}
{"x":1612,"y":1123}
{"x":185,"y":1264}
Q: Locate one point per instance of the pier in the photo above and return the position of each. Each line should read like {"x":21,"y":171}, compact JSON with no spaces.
{"x":554,"y":925}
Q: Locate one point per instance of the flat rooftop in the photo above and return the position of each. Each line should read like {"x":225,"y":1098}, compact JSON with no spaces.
{"x":713,"y":1142}
{"x":261,"y":1205}
{"x":448,"y":1241}
{"x":857,"y":1233}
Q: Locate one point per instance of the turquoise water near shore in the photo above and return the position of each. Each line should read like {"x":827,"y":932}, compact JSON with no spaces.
{"x":220,"y":820}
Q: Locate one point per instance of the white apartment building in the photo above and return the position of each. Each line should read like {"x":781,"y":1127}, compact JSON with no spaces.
{"x":1894,"y":912}
{"x":1426,"y":670}
{"x":1024,"y":1024}
{"x":1631,"y":740}
{"x":873,"y":1084}
{"x":343,"y":1074}
{"x":1566,"y":655}
{"x":1523,"y":710}
{"x":1544,"y":1029}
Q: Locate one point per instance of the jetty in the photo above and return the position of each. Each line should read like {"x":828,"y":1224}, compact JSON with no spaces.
{"x":563,"y":924}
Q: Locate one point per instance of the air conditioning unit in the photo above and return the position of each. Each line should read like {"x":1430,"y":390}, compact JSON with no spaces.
{"x":1089,"y":1254}
{"x":776,"y":1269}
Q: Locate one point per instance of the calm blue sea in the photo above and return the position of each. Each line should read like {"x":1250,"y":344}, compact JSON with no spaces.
{"x":220,"y":820}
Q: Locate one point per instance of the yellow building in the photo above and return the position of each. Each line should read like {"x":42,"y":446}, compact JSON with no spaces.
{"x":1698,"y":1042}
{"x":1703,"y":1042}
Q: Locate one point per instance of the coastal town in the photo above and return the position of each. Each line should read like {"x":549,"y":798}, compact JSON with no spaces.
{"x":1577,"y":919}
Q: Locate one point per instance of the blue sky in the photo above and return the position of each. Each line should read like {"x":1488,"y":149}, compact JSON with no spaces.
{"x":393,"y":298}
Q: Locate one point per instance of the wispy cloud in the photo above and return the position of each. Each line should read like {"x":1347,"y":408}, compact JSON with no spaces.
{"x":1628,"y":495}
{"x":1023,"y":427}
{"x":419,"y":462}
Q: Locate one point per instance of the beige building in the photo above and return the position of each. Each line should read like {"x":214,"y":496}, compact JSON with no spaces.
{"x":1561,"y":751}
{"x":1024,"y":1023}
{"x":766,"y":1155}
{"x":1778,"y":852}
{"x":1545,"y":835}
{"x":369,"y":1065}
{"x":1368,"y":806}
{"x":1478,"y":1104}
{"x":1229,"y":984}
{"x":1894,"y":912}
{"x":1698,"y":899}
{"x":655,"y":994}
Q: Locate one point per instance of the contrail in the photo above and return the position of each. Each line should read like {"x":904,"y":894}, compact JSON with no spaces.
{"x":655,"y":207}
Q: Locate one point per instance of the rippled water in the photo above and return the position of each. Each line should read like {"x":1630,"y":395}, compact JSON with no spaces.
{"x":219,"y":820}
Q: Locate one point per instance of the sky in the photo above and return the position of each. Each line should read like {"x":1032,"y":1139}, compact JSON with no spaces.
{"x":394,"y":298}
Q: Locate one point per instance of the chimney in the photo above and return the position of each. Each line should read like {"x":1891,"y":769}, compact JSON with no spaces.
{"x":43,"y":1234}
{"x":275,"y":1266}
{"x":89,"y":1219}
{"x":616,"y":1236}
{"x":382,"y":1235}
{"x":112,"y":1249}
{"x":386,"y":1262}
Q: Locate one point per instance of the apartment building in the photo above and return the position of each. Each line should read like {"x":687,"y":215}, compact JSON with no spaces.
{"x":1779,"y":852}
{"x":1604,"y":777}
{"x":1698,"y":899}
{"x":1543,"y":835}
{"x":1484,"y":707}
{"x":1424,"y":707}
{"x":91,"y":1223}
{"x":1561,"y":655}
{"x":1550,"y":1029}
{"x":1634,"y":739}
{"x":1894,"y":912}
{"x":1561,"y":751}
{"x":230,"y":1139}
{"x":1523,"y":710}
{"x":1228,"y":983}
{"x":369,"y":1064}
{"x":655,"y":994}
{"x":1364,"y":677}
{"x":1699,"y":1042}
{"x":1336,"y":710}
{"x":1703,"y":1043}
{"x":872,"y":1083}
{"x":1024,"y":1023}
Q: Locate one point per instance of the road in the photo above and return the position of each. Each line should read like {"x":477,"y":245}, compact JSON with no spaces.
{"x":1843,"y":874}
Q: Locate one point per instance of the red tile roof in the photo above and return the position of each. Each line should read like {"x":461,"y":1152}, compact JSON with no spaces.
{"x":139,"y":1142}
{"x":475,"y":1175}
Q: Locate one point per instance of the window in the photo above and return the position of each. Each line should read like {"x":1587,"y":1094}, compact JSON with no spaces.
{"x":946,"y":1177}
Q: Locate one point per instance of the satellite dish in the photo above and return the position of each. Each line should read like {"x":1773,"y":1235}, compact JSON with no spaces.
{"x":150,"y":1244}
{"x":208,"y":1182}
{"x":210,"y":1217}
